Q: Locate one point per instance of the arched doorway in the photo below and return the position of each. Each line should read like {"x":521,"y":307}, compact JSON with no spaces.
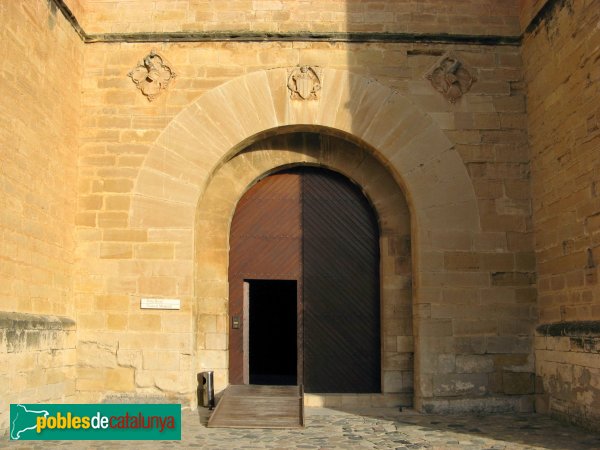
{"x":304,"y":284}
{"x":200,"y":156}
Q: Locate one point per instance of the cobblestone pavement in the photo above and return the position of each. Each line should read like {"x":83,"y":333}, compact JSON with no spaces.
{"x":368,"y":429}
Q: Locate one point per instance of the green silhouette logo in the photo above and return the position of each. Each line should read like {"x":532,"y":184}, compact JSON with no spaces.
{"x":95,"y":422}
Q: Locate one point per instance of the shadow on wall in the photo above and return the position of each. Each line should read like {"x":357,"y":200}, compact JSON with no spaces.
{"x":441,"y":119}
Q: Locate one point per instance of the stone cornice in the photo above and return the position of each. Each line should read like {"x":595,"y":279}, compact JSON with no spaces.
{"x":249,"y":36}
{"x":350,"y":37}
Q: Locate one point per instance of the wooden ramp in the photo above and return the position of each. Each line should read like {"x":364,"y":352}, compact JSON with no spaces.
{"x":253,"y":406}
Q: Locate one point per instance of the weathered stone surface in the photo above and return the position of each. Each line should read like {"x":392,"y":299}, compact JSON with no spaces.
{"x":460,"y":385}
{"x":109,"y":198}
{"x":474,"y":363}
{"x":37,"y":353}
{"x":92,"y":354}
{"x":518,"y":383}
{"x":129,"y":358}
{"x":563,"y":129}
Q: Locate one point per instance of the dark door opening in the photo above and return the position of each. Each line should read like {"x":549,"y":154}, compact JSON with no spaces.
{"x":272,"y":332}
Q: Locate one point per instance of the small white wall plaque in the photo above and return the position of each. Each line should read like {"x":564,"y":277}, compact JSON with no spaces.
{"x":161,"y":303}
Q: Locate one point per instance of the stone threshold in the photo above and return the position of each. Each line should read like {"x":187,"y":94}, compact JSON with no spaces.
{"x":358,"y":400}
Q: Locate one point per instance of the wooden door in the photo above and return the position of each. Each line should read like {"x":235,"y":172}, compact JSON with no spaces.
{"x":316,"y":227}
{"x":265,"y":244}
{"x":341,"y":286}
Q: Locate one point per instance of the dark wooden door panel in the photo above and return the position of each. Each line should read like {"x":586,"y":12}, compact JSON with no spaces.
{"x":341,"y":287}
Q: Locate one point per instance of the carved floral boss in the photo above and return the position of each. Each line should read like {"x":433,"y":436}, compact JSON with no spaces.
{"x":152,"y":75}
{"x":450,"y":77}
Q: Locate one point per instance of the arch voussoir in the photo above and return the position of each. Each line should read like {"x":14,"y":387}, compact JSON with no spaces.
{"x":404,"y":141}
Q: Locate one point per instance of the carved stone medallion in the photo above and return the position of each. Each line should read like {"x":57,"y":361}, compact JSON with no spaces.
{"x":450,"y":77}
{"x":304,"y":83}
{"x":152,"y":75}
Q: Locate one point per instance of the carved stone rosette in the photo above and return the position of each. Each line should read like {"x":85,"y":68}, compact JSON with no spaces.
{"x":152,"y":75}
{"x":304,"y":83}
{"x":450,"y":77}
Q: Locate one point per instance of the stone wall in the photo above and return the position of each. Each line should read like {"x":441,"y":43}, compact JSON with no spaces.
{"x":129,"y":175}
{"x":77,"y":8}
{"x":39,"y":127}
{"x":529,"y":10}
{"x":561,"y":65}
{"x":39,"y":139}
{"x":37,"y":356}
{"x":568,"y":369}
{"x":144,"y":165}
{"x":425,"y":16}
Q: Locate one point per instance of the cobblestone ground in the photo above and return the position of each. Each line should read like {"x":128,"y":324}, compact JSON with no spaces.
{"x":375,"y":429}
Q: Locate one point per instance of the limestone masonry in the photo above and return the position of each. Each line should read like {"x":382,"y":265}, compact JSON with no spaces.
{"x":131,"y":129}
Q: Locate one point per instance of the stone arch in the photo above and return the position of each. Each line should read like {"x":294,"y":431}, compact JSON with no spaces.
{"x":230,"y":117}
{"x":217,"y":207}
{"x":208,"y":133}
